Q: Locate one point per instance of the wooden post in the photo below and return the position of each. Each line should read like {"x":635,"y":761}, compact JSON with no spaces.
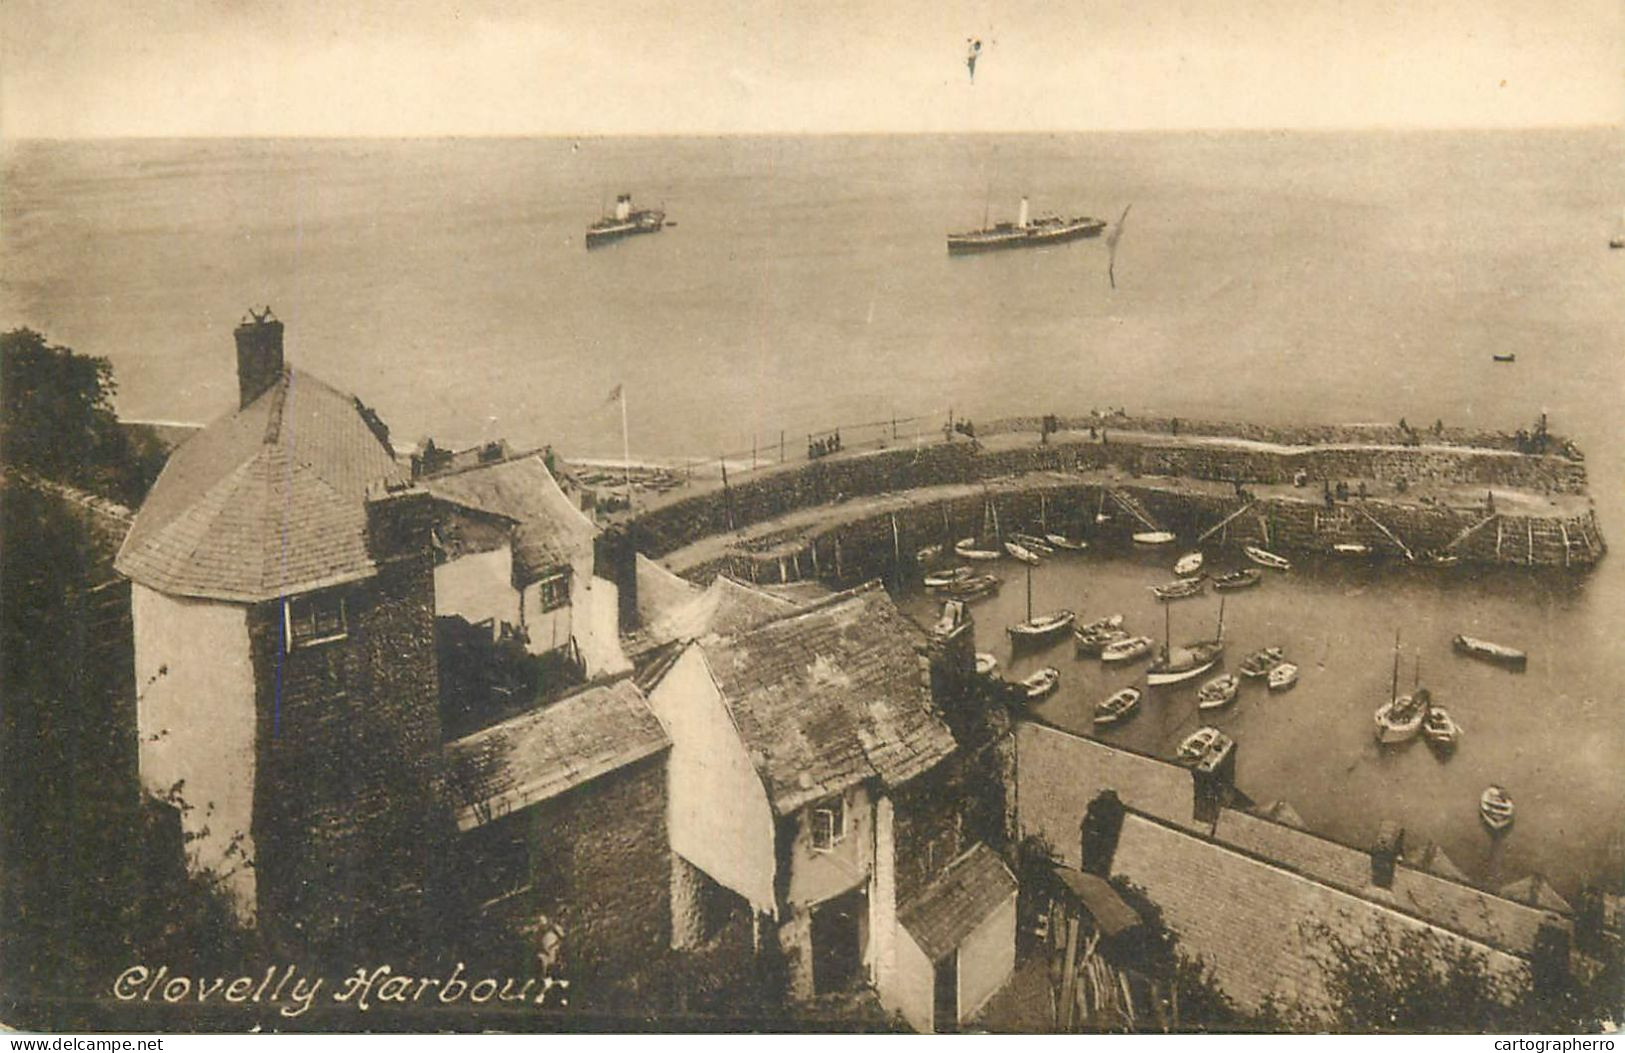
{"x":1069,"y":976}
{"x":839,"y":576}
{"x":781,"y":445}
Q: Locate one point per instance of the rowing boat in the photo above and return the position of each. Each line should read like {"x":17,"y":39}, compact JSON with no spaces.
{"x":1118,"y":707}
{"x":1266,"y":558}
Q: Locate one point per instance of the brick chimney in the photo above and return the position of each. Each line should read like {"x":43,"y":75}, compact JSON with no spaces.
{"x":259,"y":355}
{"x":615,"y":559}
{"x":1385,"y":853}
{"x":1213,"y":783}
{"x":1098,"y":833}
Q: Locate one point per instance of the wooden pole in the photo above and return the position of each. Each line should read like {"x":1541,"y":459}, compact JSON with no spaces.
{"x":1069,"y":976}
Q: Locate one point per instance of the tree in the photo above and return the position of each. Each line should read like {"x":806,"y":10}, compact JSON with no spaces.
{"x":58,"y":420}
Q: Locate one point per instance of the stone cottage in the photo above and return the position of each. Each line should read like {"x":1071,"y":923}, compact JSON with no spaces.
{"x":800,"y":747}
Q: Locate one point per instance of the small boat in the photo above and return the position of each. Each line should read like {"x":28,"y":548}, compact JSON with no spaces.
{"x":1505,"y":358}
{"x":965,"y":548}
{"x":1266,"y":558}
{"x":1220,"y":691}
{"x":1153,"y":537}
{"x":1442,"y":559}
{"x":1118,"y":707}
{"x":1491,"y":652}
{"x":1178,"y":664}
{"x":986,"y":664}
{"x":1097,"y":634}
{"x":1200,"y":743}
{"x":1283,"y":676}
{"x":1034,"y":544}
{"x":1494,"y":807}
{"x":1041,"y":683}
{"x":1245,"y":578}
{"x":1189,"y":564}
{"x":928,"y":553}
{"x":1618,"y":240}
{"x":1178,"y":590}
{"x":1061,"y":541}
{"x":1440,"y":730}
{"x":974,"y":587}
{"x":1352,"y":548}
{"x":1259,"y":663}
{"x":1126,"y":650}
{"x":1021,"y":552}
{"x":1401,"y":719}
{"x":1042,"y":627}
{"x":944,"y":578}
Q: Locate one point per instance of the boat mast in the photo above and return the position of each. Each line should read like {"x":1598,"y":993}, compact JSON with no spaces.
{"x":1393,"y":692}
{"x":1029,"y":592}
{"x":1167,"y":628}
{"x":1221,"y":618}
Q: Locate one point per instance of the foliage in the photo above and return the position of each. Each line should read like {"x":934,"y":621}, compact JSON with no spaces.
{"x":90,"y":878}
{"x":58,"y":420}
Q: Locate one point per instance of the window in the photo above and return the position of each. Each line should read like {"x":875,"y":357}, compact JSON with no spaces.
{"x":554,"y":592}
{"x":828,"y":824}
{"x":313,"y":619}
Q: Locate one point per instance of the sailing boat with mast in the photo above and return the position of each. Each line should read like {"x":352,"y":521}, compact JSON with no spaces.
{"x":1400,"y":718}
{"x":1177,"y":664}
{"x":1045,"y":626}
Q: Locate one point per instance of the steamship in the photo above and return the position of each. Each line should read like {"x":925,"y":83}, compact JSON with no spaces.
{"x":624,"y":222}
{"x":1025,"y":232}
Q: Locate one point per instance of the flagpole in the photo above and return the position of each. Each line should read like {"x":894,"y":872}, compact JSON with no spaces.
{"x":626,"y":451}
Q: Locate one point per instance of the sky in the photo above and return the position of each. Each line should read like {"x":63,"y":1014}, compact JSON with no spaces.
{"x":99,"y":68}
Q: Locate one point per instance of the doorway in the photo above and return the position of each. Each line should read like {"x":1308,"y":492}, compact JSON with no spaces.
{"x":945,"y":995}
{"x":838,"y":929}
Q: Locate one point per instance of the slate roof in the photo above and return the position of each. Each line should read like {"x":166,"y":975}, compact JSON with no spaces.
{"x":540,"y":754}
{"x":265,"y":502}
{"x":1244,"y":914}
{"x":725,"y":608}
{"x":830,"y":696}
{"x":549,"y":531}
{"x":942,"y":914}
{"x":1536,"y":891}
{"x":1112,"y":915}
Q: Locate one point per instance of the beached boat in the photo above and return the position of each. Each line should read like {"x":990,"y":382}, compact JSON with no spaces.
{"x":1491,"y":652}
{"x":1178,"y":590}
{"x":1034,"y":543}
{"x":974,"y":587}
{"x":1352,"y":548}
{"x":1153,"y":537}
{"x":1041,"y":683}
{"x":1175,"y":665}
{"x":1440,"y":730}
{"x":1021,"y":552}
{"x":1189,"y":564}
{"x":1495,"y":808}
{"x":943,"y":578}
{"x":928,"y":553}
{"x":1283,"y":676}
{"x":1244,"y":578}
{"x":1266,"y":558}
{"x":966,"y":548}
{"x":1118,"y":707}
{"x":1401,"y":719}
{"x":1097,"y":634}
{"x":1259,"y":663}
{"x":1126,"y":650}
{"x":1200,"y":743}
{"x":1218,"y":692}
{"x":1042,"y":627}
{"x":986,"y":664}
{"x":1061,"y":541}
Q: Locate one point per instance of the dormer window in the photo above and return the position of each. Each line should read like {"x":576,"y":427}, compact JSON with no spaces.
{"x":314,"y":619}
{"x":828,"y":824}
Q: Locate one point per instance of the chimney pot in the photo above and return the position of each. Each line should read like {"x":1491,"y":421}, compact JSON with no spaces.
{"x":259,"y":355}
{"x":1386,"y":851}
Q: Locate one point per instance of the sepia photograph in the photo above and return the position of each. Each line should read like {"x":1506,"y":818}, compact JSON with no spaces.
{"x":1022,"y":518}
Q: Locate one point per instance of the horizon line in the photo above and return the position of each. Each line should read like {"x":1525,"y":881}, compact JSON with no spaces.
{"x":824,"y":134}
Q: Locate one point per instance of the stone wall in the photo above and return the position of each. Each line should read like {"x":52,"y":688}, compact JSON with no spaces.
{"x":854,"y":550}
{"x":347,"y":820}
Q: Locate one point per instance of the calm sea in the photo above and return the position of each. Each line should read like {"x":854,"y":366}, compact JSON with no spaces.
{"x":1330,"y":277}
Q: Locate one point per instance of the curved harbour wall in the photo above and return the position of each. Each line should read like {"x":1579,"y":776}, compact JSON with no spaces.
{"x":1065,"y":483}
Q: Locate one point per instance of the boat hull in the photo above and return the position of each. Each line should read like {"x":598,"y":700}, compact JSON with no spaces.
{"x":643,"y":223}
{"x":1030,"y":237}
